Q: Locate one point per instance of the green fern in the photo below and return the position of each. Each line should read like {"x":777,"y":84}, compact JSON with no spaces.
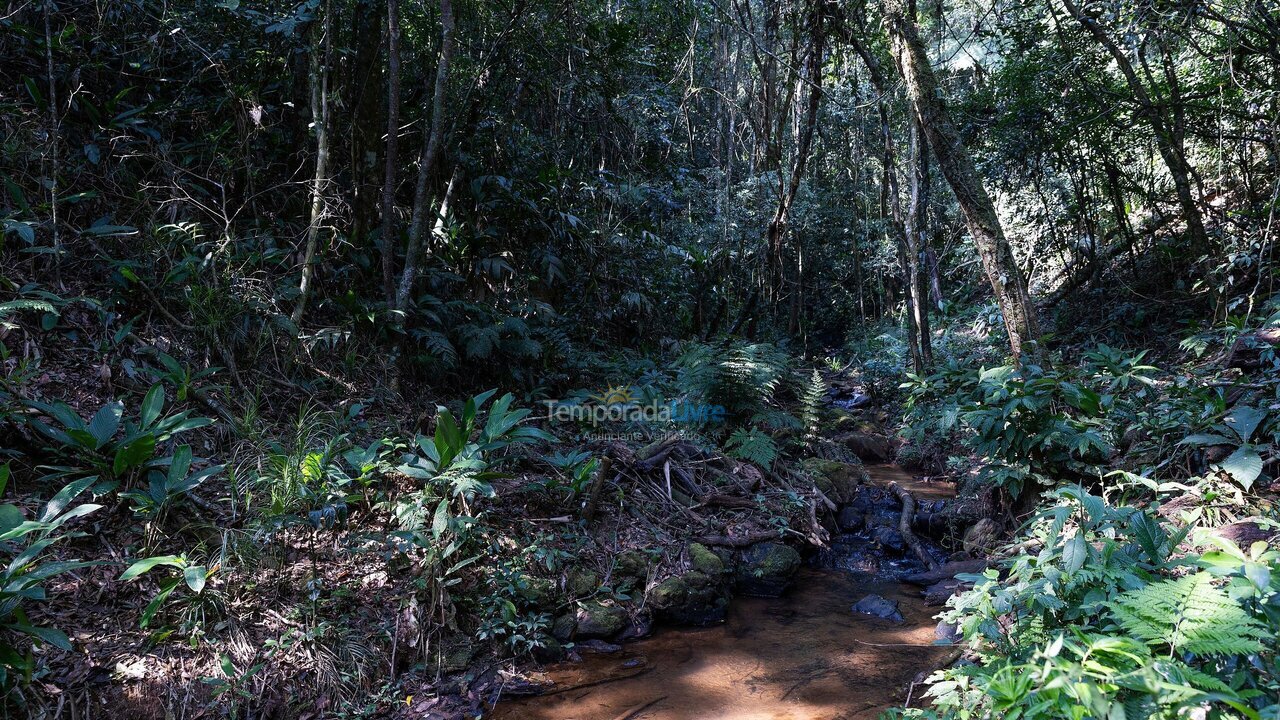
{"x":811,"y":405}
{"x":1189,"y":614}
{"x":742,"y":377}
{"x":753,"y":446}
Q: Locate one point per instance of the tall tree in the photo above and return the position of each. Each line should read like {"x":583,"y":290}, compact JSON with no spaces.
{"x":1164,"y":116}
{"x":393,"y":135}
{"x":320,"y":53}
{"x":957,"y":167}
{"x":430,"y":157}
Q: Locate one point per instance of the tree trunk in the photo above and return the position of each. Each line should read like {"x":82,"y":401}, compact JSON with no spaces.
{"x":958,"y":169}
{"x":891,"y":201}
{"x":393,"y":133}
{"x":320,"y":119}
{"x":1168,"y":141}
{"x":430,"y":156}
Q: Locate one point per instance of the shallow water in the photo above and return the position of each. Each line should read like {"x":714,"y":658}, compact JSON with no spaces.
{"x":805,"y":656}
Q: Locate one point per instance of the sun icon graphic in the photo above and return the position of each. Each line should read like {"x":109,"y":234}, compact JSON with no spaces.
{"x":615,"y":395}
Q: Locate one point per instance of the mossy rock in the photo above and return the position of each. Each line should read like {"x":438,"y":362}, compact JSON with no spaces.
{"x":693,"y":598}
{"x":539,"y":592}
{"x":702,"y":559}
{"x":765,"y":569}
{"x":582,"y":582}
{"x":564,"y":627}
{"x":458,"y":656}
{"x":632,"y":564}
{"x":599,"y":621}
{"x":839,"y":481}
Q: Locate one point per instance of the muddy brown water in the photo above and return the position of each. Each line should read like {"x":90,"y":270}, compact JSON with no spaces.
{"x":805,"y":656}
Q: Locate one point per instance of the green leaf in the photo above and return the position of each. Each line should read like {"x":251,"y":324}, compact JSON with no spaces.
{"x":195,"y":577}
{"x":134,"y":453}
{"x":1244,"y":465}
{"x":1244,"y":420}
{"x":152,"y":405}
{"x":53,"y":636}
{"x":59,"y":502}
{"x":181,"y":464}
{"x":10,"y":517}
{"x":140,"y":567}
{"x":149,"y":612}
{"x":1074,"y":553}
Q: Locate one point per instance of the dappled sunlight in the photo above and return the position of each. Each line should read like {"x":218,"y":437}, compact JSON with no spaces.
{"x":805,"y":656}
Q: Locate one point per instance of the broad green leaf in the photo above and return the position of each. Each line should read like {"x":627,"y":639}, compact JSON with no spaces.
{"x":1244,"y":465}
{"x":134,"y":453}
{"x":1074,"y":553}
{"x":1244,"y":421}
{"x":59,"y":502}
{"x":105,"y":423}
{"x":142,"y":566}
{"x":10,"y":517}
{"x":152,"y":405}
{"x":195,"y":576}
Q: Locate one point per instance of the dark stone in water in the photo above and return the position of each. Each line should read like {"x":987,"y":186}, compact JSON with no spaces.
{"x":850,"y":519}
{"x":889,"y":538}
{"x":946,"y":632}
{"x":880,"y":607}
{"x":765,"y":569}
{"x":600,"y":647}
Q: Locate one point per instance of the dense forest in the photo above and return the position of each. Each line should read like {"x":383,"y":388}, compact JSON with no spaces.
{"x":627,"y":359}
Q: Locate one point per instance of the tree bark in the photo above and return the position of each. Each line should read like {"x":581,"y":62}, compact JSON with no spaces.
{"x":430,"y":156}
{"x":957,"y":167}
{"x":891,"y":200}
{"x":320,"y":119}
{"x":393,"y":133}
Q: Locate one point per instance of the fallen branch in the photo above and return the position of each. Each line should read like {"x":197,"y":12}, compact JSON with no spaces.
{"x":904,"y":525}
{"x":635,"y":711}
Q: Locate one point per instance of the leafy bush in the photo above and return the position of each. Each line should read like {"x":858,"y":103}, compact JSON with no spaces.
{"x":22,"y":578}
{"x":99,"y":449}
{"x":1107,"y":620}
{"x":741,"y":377}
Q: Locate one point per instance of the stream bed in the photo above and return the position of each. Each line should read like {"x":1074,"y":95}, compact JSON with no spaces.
{"x":804,"y":656}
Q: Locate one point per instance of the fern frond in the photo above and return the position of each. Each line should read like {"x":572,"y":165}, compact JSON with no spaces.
{"x":1189,"y":614}
{"x":753,"y":446}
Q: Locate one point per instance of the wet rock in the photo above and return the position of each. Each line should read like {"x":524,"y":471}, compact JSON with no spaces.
{"x":704,"y":561}
{"x":940,"y":592}
{"x":982,"y":538}
{"x":765,"y":569}
{"x":877,"y":606}
{"x":869,"y":447}
{"x":599,"y":647}
{"x":850,"y":519}
{"x":458,"y":656}
{"x":641,"y":626}
{"x":945,"y":632}
{"x":596,"y":621}
{"x":888,"y":538}
{"x":693,"y":598}
{"x":633,"y":564}
{"x":946,"y":572}
{"x":550,"y":651}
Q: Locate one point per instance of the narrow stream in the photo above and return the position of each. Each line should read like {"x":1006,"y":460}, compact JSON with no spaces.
{"x":805,"y":656}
